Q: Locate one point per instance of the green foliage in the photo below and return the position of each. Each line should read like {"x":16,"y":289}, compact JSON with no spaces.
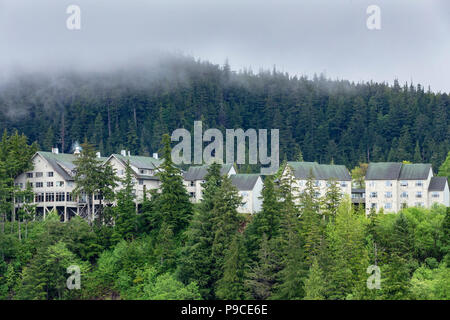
{"x":231,"y":285}
{"x":173,"y":203}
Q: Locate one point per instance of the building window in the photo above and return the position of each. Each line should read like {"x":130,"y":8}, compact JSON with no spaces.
{"x":49,"y":184}
{"x":373,"y":205}
{"x":121,"y":172}
{"x":404,"y":195}
{"x":59,"y":183}
{"x":435,"y":195}
{"x":49,"y":197}
{"x":403,"y":183}
{"x":372,"y":184}
{"x":317,"y":183}
{"x":418,"y":194}
{"x":70,"y":184}
{"x":192,"y":183}
{"x":142,"y":171}
{"x":343,"y":184}
{"x":39,"y":197}
{"x":39,"y":184}
{"x":388,"y":205}
{"x":373,"y":195}
{"x":388,"y":183}
{"x":39,"y":174}
{"x":192,"y":194}
{"x":60,"y":196}
{"x":419,"y":183}
{"x":388,"y":194}
{"x":141,"y":182}
{"x":29,"y":174}
{"x":50,"y":174}
{"x":69,"y":197}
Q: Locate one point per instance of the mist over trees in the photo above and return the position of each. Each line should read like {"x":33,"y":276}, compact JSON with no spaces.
{"x":326,"y":120}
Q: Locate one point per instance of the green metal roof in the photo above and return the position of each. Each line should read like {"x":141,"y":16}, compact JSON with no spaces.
{"x":417,"y":171}
{"x":437,"y":184}
{"x":383,"y":171}
{"x":62,"y":163}
{"x":199,"y":172}
{"x":244,"y":182}
{"x":397,"y":171}
{"x":302,"y":170}
{"x":140,"y":162}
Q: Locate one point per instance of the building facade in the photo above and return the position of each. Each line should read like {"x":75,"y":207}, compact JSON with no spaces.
{"x":321,"y":173}
{"x":250,"y":189}
{"x":392,"y":186}
{"x":194,"y":177}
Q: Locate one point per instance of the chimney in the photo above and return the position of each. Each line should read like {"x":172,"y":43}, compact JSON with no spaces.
{"x":129,"y":153}
{"x":55,"y":150}
{"x":98,"y":154}
{"x":123,"y":153}
{"x":155,"y":155}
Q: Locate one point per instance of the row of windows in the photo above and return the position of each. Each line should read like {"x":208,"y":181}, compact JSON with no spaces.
{"x":404,"y":194}
{"x":403,"y":183}
{"x":317,"y":183}
{"x":388,"y":205}
{"x":53,"y":196}
{"x":39,"y":174}
{"x":40,"y":184}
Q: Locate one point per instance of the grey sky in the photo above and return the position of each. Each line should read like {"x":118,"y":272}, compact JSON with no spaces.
{"x":298,"y":36}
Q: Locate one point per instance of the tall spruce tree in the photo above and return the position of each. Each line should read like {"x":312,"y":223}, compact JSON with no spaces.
{"x":173,"y":203}
{"x":231,"y":285}
{"x":196,"y":261}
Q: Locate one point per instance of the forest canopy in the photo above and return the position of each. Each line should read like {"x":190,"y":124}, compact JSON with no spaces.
{"x":324,"y":120}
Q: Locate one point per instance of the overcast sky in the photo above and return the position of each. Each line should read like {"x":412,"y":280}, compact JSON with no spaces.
{"x":298,"y":36}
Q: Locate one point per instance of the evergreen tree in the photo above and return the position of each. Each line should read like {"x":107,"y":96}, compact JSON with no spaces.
{"x":231,"y":285}
{"x":226,"y":222}
{"x":348,"y":250}
{"x":331,"y":200}
{"x":444,"y":170}
{"x":311,"y":219}
{"x":125,"y":217}
{"x":196,"y":262}
{"x":173,"y":203}
{"x":260,"y":276}
{"x":267,"y":221}
{"x":315,"y":285}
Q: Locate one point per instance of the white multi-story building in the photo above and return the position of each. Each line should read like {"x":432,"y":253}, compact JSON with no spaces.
{"x":52,"y":181}
{"x":144,"y":171}
{"x":250,"y":189}
{"x":195,"y":176}
{"x":321,"y":173}
{"x":438,"y":191}
{"x":393,"y":186}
